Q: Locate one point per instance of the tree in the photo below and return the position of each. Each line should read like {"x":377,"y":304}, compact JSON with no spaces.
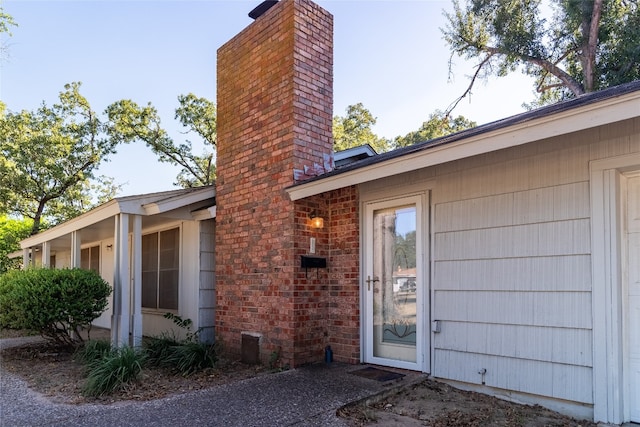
{"x":438,"y":125}
{"x":11,"y":232}
{"x":6,"y":22}
{"x":354,"y":130}
{"x":48,"y":158}
{"x":585,"y":46}
{"x":130,"y":122}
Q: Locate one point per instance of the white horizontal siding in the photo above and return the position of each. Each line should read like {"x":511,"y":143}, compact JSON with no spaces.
{"x":559,"y":345}
{"x":528,"y":376}
{"x":544,"y":239}
{"x":570,"y":201}
{"x":564,"y":273}
{"x":556,"y":309}
{"x":523,"y":170}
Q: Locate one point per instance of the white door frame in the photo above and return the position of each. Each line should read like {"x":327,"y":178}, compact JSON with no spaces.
{"x":606,"y":184}
{"x":423,"y":338}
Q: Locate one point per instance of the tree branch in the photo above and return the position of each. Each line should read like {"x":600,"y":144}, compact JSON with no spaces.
{"x":455,"y":103}
{"x":548,"y":66}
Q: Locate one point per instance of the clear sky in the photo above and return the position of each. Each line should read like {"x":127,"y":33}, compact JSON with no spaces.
{"x":389,"y":55}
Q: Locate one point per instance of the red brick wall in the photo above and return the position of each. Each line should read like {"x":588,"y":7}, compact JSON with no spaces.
{"x":327,"y":301}
{"x":274,"y":96}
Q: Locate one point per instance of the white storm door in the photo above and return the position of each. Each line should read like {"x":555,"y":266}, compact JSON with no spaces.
{"x":393,"y":284}
{"x":633,"y":293}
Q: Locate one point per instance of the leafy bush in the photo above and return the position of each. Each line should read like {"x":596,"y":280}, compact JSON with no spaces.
{"x":184,"y":356}
{"x":56,"y":303}
{"x":114,"y":369}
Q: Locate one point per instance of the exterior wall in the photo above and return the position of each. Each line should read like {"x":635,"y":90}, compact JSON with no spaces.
{"x":511,"y":274}
{"x":274,"y":95}
{"x":207,"y":293}
{"x":106,"y":271}
{"x":327,"y":301}
{"x":153,"y":322}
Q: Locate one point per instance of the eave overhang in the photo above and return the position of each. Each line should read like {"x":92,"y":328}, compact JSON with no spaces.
{"x":145,"y":205}
{"x":582,"y":113}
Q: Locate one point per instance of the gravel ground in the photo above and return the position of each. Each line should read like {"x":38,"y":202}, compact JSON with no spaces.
{"x":308,"y":396}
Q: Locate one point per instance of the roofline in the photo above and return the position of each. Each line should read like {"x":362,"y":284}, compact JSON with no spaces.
{"x":156,"y":203}
{"x":104,"y":211}
{"x":595,"y":109}
{"x":176,"y":202}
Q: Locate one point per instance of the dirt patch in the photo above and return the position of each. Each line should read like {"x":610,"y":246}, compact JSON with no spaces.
{"x":55,"y":374}
{"x":431,"y":403}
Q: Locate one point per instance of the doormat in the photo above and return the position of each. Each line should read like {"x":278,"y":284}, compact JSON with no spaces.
{"x":377,"y":374}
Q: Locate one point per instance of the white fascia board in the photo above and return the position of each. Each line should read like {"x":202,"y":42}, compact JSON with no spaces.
{"x":573,"y":120}
{"x":177,"y":202}
{"x":16,"y":254}
{"x":94,"y":216}
{"x":203,"y":214}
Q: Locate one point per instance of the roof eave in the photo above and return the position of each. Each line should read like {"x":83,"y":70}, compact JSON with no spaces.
{"x":598,"y":113}
{"x":107,"y":210}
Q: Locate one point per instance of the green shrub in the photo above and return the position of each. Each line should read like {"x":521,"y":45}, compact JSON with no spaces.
{"x":190,"y":357}
{"x":159,"y":350}
{"x":92,"y":351}
{"x":56,"y":303}
{"x":184,"y":356}
{"x":113,"y":370}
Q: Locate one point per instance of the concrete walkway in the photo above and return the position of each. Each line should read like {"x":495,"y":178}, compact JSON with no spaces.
{"x":307,"y":396}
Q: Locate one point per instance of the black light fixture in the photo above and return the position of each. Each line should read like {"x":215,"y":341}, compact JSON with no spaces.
{"x":259,"y":10}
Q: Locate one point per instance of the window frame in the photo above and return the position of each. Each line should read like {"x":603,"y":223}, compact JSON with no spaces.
{"x":90,"y":248}
{"x":158,"y":232}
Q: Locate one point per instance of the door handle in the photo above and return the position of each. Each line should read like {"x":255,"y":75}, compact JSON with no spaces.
{"x":369,"y":280}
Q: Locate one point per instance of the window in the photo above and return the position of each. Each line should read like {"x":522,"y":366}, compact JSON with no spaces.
{"x":90,"y":258}
{"x":160,"y":269}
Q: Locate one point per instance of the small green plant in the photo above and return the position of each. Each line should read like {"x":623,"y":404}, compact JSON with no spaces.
{"x":159,"y":349}
{"x":274,"y":360}
{"x":113,"y":370}
{"x":184,"y":324}
{"x":191,"y":357}
{"x":184,"y":356}
{"x":92,"y":351}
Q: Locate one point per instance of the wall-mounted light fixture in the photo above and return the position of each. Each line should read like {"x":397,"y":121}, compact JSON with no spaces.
{"x":315,"y":220}
{"x":109,"y":248}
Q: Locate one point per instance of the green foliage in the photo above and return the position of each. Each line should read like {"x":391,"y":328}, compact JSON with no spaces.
{"x":11,"y":232}
{"x":572,"y":48}
{"x":354,"y":130}
{"x":48,"y":158}
{"x":114,"y":369}
{"x":92,"y":351}
{"x":56,"y":303}
{"x":190,"y":357}
{"x":6,"y":22}
{"x":130,"y":122}
{"x":438,"y":125}
{"x":184,"y":356}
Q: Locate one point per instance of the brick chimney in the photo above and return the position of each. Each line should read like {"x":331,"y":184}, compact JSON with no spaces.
{"x":275,"y":109}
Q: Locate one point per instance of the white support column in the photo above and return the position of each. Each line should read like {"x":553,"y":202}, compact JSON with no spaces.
{"x":26,"y":258}
{"x":75,"y":249}
{"x":46,"y":254}
{"x":117,"y":289}
{"x":124,"y":280}
{"x":136,"y":318}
